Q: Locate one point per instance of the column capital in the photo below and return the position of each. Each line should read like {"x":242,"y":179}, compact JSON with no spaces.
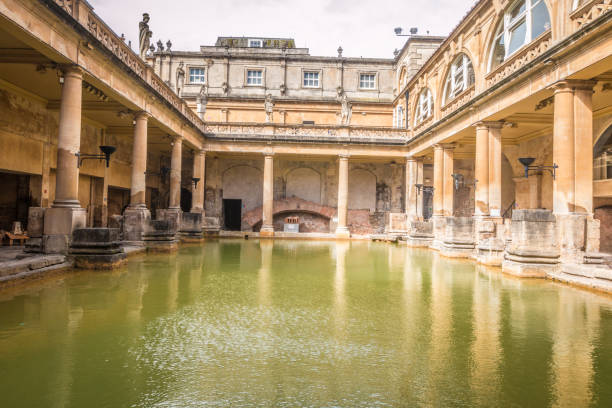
{"x":344,"y":156}
{"x":176,"y":138}
{"x":268,"y":154}
{"x":485,"y":124}
{"x":571,"y":85}
{"x":71,"y":70}
{"x":142,"y":115}
{"x":445,"y":146}
{"x":410,"y":159}
{"x":202,"y":151}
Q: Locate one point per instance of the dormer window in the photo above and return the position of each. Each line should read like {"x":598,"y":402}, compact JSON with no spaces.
{"x":255,"y":43}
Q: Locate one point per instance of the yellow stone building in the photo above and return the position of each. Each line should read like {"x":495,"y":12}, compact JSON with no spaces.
{"x":491,"y":144}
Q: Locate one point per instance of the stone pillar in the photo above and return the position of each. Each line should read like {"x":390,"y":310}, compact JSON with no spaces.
{"x":267,"y":219}
{"x":438,"y":180}
{"x":411,"y":191}
{"x":197,"y":202}
{"x":448,"y":182}
{"x":342,"y":230}
{"x":137,"y":216}
{"x":482,"y":170}
{"x":573,"y":184}
{"x":175,"y":173}
{"x":66,"y":215}
{"x":495,"y":166}
{"x":420,"y":180}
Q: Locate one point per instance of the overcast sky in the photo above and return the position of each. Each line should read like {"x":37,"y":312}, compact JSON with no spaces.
{"x":363,"y":28}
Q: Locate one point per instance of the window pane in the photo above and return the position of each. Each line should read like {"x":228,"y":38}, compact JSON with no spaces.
{"x":499,"y":52}
{"x":517,"y":37}
{"x":517,"y":10}
{"x":540,"y":21}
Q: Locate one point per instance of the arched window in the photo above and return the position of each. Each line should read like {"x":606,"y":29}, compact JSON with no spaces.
{"x":523,"y":22}
{"x":424,"y":108}
{"x":398,"y":116}
{"x":402,"y":78}
{"x":460,"y":77}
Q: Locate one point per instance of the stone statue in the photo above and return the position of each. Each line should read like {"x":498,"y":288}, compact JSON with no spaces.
{"x":180,"y":78}
{"x":346,"y":111}
{"x":160,"y":46}
{"x":168,"y":45}
{"x":269,"y":107}
{"x":202,"y":100}
{"x":144,"y":35}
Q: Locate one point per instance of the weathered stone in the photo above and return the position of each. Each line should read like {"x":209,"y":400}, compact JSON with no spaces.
{"x":134,"y":223}
{"x":97,"y":248}
{"x":458,"y":238}
{"x":191,"y":227}
{"x":160,"y":236}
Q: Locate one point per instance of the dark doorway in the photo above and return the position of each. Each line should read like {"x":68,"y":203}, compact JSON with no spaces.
{"x":232,"y":214}
{"x":427,"y":204}
{"x":185,"y":200}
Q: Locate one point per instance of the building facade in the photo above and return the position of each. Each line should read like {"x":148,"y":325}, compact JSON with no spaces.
{"x":500,"y":132}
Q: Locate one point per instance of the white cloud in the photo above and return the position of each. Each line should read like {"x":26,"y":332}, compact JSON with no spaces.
{"x":363,"y":28}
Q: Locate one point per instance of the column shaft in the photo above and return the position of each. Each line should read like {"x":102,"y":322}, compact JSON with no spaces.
{"x":69,"y":140}
{"x":139,"y":161}
{"x":420,"y":180}
{"x":199,"y":171}
{"x":175,"y":174}
{"x":495,"y":176}
{"x":411,"y":191}
{"x":583,"y":166}
{"x":482,"y":170}
{"x":449,"y":187}
{"x":342,"y":229}
{"x":563,"y":149}
{"x":438,"y":195}
{"x":267,"y":223}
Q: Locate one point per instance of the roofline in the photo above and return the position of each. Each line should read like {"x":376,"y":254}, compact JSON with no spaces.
{"x":295,"y":57}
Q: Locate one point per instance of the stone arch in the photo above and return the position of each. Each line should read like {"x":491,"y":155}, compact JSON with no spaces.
{"x":304,"y":183}
{"x":245,"y":183}
{"x":402,"y":79}
{"x":415,"y":104}
{"x":362,"y":189}
{"x":439,"y":101}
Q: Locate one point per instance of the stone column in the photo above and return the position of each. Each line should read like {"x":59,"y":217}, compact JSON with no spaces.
{"x":563,"y":148}
{"x":420,"y":180}
{"x":448,"y":182}
{"x":176,"y":162}
{"x":411,"y":191}
{"x":583,"y":136}
{"x":342,"y":230}
{"x":66,"y":215}
{"x":137,"y":216}
{"x":267,"y":219}
{"x":482,"y":170}
{"x":495,"y":176}
{"x":69,"y":140}
{"x":139,"y":161}
{"x":199,"y":163}
{"x":438,"y":180}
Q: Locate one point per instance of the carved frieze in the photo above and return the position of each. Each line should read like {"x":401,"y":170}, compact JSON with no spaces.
{"x":591,"y":12}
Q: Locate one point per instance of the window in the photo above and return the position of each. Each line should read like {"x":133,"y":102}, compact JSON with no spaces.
{"x":196,"y":75}
{"x":398,"y":116}
{"x":254,"y":77}
{"x":459,"y":78}
{"x":255,"y":43}
{"x":311,"y":79}
{"x":424,"y":108}
{"x":367,"y":81}
{"x":524,"y":21}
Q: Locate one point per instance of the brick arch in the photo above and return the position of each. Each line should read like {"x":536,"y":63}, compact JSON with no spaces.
{"x":289,"y":205}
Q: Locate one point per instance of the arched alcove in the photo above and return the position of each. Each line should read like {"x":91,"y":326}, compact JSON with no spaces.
{"x":362,"y":190}
{"x":304,"y":183}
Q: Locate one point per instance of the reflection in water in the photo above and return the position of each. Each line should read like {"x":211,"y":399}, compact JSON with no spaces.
{"x":248,"y":323}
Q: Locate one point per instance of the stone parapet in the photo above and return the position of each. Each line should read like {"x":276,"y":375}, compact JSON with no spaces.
{"x":97,"y":248}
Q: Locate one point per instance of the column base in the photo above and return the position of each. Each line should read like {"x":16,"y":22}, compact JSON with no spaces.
{"x":266,"y":231}
{"x":173,"y":216}
{"x":343,"y":233}
{"x":59,"y":223}
{"x":135,"y":222}
{"x":439,"y":226}
{"x":191,"y":227}
{"x":97,"y":248}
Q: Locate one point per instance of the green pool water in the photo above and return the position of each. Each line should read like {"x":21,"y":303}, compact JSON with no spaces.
{"x":303,"y":324}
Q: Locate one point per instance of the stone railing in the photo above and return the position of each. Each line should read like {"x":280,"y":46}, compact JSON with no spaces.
{"x":308,"y":133}
{"x":458,"y":101}
{"x":81,"y":12}
{"x":590,"y":11}
{"x":520,"y":59}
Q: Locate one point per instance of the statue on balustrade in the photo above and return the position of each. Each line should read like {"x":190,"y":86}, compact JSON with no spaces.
{"x":269,"y":107}
{"x":144,"y":35}
{"x":346,"y":111}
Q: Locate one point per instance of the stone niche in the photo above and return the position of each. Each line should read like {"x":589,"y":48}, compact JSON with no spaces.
{"x":97,"y":248}
{"x":458,"y":237}
{"x":533,"y":251}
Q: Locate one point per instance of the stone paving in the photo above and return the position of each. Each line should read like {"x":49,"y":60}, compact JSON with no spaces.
{"x":16,"y":264}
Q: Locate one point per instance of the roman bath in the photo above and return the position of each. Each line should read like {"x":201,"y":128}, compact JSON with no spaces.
{"x":247,"y":224}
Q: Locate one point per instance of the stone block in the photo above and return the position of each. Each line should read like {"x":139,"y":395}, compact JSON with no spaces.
{"x":191,"y":227}
{"x":211,"y":225}
{"x":59,"y":223}
{"x":160,"y":236}
{"x":134,"y":223}
{"x":396,"y":223}
{"x":36,"y":227}
{"x":173,"y":216}
{"x":420,"y":234}
{"x":458,"y":239}
{"x":97,"y":248}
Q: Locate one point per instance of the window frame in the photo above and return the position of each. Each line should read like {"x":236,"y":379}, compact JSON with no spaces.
{"x":508,"y":24}
{"x":256,"y":40}
{"x":374,"y":82}
{"x":425,"y":98}
{"x":306,"y":71}
{"x":203,"y":76}
{"x":458,"y":70}
{"x":254,"y":69}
